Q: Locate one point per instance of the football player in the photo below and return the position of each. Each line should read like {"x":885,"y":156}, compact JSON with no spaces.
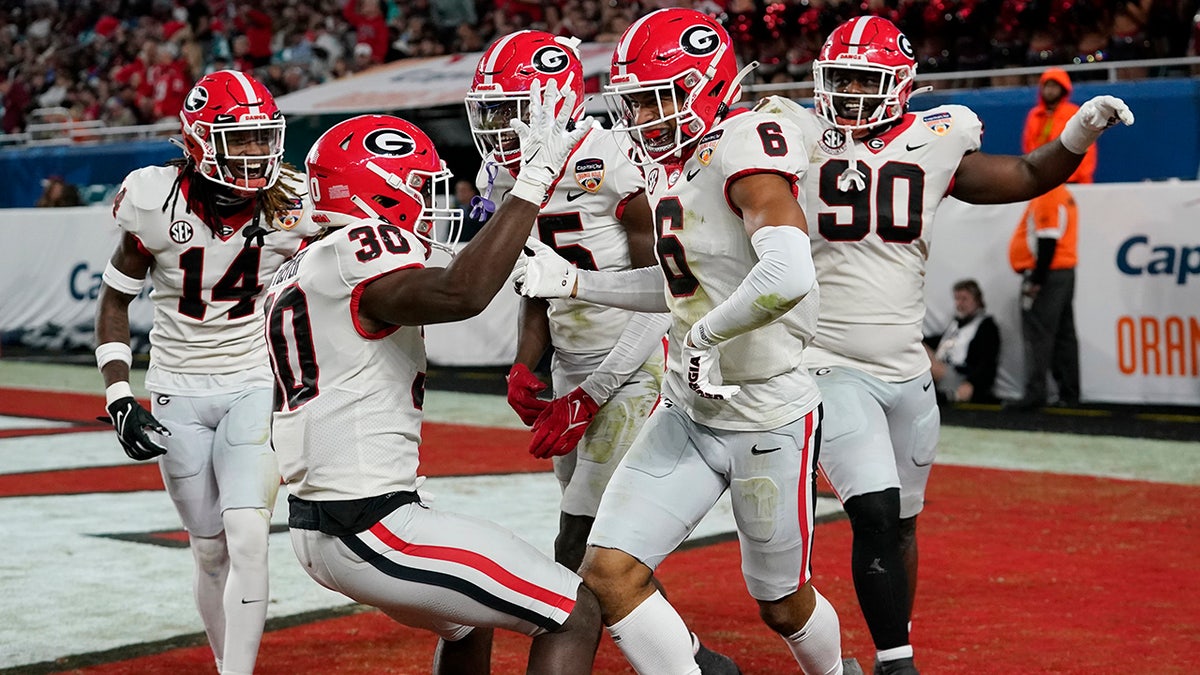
{"x":878,"y":174}
{"x":198,"y":227}
{"x":344,"y":326}
{"x":740,"y":412}
{"x":608,"y":363}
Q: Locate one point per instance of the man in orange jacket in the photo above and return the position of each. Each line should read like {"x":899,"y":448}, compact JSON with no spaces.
{"x":1043,"y":251}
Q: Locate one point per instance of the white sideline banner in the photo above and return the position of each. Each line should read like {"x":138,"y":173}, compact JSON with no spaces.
{"x":1137,"y":288}
{"x":51,"y":262}
{"x":1137,"y":295}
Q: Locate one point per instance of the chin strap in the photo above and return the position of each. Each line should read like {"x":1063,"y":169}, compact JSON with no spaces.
{"x":482,"y":207}
{"x":851,"y":180}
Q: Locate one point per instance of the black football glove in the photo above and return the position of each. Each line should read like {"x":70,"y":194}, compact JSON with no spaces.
{"x":131,"y":420}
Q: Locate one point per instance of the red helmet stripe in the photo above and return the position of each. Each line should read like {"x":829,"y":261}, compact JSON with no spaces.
{"x":622,"y":55}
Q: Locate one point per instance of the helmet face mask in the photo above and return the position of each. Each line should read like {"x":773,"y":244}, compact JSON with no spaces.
{"x":681,"y":62}
{"x":864,"y":74}
{"x":233,"y":132}
{"x":489,"y":118}
{"x":500,"y":89}
{"x":385,"y":168}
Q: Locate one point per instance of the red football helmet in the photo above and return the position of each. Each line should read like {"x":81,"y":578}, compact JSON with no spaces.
{"x":872,"y":52}
{"x":233,"y":131}
{"x":386,"y":168}
{"x":500,"y":91}
{"x":683,"y":61}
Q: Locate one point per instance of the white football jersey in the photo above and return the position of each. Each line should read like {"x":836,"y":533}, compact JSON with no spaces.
{"x":581,"y":222}
{"x":207,"y":320}
{"x":347,"y":419}
{"x":705,"y":254}
{"x":870,"y":245}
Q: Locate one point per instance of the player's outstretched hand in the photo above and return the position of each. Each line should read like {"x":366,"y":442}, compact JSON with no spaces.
{"x":523,"y":388}
{"x":560,"y":426}
{"x":1102,"y":112}
{"x":546,"y":140}
{"x":131,"y":422}
{"x":542,"y":273}
{"x":1092,"y":118}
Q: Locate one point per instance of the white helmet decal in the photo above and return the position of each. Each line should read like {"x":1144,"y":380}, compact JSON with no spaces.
{"x":550,"y":59}
{"x":699,"y":40}
{"x":389,"y":143}
{"x":196,"y":99}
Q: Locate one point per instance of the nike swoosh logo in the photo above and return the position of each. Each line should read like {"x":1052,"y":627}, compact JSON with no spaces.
{"x":754,"y":450}
{"x":925,"y":387}
{"x":119,"y":421}
{"x":572,"y":195}
{"x":692,"y":174}
{"x":251,"y":602}
{"x":910,"y":147}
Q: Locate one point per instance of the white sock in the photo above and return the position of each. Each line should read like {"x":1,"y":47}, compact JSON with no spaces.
{"x":818,"y":646}
{"x":247,"y":590}
{"x":655,"y":640}
{"x":208,"y":586}
{"x":894,"y":653}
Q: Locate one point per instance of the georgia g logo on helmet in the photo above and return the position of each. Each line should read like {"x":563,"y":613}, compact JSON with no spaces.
{"x":389,"y":143}
{"x":699,"y":40}
{"x":905,"y":46}
{"x":196,"y":99}
{"x":550,"y":60}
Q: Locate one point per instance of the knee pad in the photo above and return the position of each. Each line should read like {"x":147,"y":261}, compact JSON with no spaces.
{"x":246,"y":532}
{"x":874,"y":512}
{"x":211,"y":553}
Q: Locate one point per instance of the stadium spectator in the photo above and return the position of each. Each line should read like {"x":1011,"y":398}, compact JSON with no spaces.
{"x":58,"y":192}
{"x":963,"y":359}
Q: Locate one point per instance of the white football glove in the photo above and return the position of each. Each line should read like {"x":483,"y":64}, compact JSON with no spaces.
{"x":1092,"y":118}
{"x":542,"y":273}
{"x":703,"y":371}
{"x":545,"y":141}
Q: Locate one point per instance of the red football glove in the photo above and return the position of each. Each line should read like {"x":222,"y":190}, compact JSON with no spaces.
{"x":560,"y":426}
{"x":523,"y":388}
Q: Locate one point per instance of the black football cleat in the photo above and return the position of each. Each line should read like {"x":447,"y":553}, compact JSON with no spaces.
{"x":903,"y":666}
{"x":715,"y":663}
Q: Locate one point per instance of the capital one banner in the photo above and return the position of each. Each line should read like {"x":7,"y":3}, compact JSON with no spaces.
{"x":1137,"y":292}
{"x":50,"y":266}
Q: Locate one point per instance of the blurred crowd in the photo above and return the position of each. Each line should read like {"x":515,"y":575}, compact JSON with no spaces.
{"x":131,"y":62}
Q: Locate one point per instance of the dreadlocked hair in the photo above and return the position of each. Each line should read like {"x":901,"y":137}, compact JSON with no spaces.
{"x":202,"y":198}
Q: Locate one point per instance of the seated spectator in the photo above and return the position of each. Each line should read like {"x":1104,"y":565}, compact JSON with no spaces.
{"x":963,"y":360}
{"x":58,"y":192}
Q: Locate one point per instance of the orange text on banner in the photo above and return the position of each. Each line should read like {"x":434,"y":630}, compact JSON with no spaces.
{"x":1152,"y":345}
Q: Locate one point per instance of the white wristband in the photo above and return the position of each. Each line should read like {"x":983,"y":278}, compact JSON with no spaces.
{"x":117,"y":391}
{"x":119,"y":281}
{"x":531,"y":191}
{"x":1076,"y":137}
{"x":113,"y":351}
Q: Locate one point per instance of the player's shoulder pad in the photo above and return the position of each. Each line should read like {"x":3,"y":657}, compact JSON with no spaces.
{"x":369,"y":248}
{"x":148,"y":188}
{"x":952,"y":122}
{"x":755,"y":140}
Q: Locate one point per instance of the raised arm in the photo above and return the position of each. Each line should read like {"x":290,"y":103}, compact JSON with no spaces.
{"x":999,"y":179}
